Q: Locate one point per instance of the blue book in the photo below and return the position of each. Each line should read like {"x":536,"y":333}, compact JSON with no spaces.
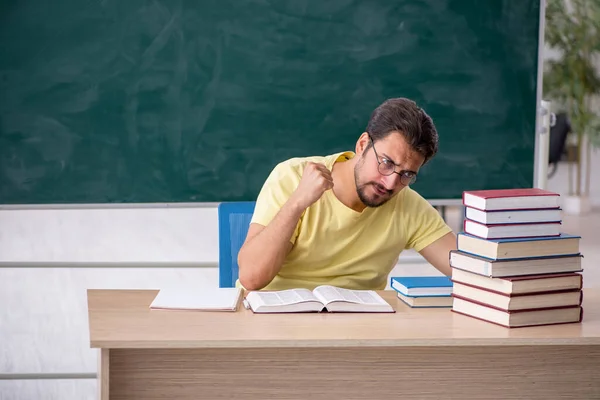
{"x":422,"y":286}
{"x":516,"y":248}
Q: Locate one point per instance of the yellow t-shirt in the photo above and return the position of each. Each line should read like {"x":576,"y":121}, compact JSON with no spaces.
{"x":335,"y":245}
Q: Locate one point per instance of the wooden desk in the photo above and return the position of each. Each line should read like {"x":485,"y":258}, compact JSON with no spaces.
{"x":413,"y":353}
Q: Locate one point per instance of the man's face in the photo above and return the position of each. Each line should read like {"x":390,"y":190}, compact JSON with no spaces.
{"x":374,"y":188}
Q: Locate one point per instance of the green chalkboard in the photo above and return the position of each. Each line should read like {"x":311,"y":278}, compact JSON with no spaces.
{"x":114,"y":101}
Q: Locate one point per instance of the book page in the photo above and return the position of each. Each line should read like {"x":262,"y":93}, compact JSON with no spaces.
{"x":328,"y":294}
{"x":282,"y":297}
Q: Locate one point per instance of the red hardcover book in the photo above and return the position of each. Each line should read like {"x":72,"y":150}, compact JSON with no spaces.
{"x":517,"y":318}
{"x":511,"y":199}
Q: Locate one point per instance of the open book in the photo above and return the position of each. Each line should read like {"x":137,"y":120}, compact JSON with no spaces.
{"x":323,"y":298}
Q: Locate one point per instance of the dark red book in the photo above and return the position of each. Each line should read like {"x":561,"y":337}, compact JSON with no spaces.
{"x":511,"y":199}
{"x":517,"y":318}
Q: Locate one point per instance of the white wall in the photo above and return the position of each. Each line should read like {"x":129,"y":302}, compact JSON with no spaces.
{"x":110,"y":235}
{"x":560,"y":181}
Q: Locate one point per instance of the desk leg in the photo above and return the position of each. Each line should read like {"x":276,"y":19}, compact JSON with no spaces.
{"x":103,"y":374}
{"x":358,"y":373}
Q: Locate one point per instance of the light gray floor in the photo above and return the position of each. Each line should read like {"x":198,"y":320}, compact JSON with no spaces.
{"x":43,"y":315}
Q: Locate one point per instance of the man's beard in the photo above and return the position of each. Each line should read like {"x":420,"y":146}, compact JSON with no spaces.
{"x":361,"y":190}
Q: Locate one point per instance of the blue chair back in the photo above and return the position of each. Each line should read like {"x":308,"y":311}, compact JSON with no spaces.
{"x":234,"y":221}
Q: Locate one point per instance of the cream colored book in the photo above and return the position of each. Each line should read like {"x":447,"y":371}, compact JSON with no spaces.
{"x":323,"y":298}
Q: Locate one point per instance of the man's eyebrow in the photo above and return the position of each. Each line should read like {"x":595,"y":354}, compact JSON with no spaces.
{"x":390,"y":158}
{"x":397,"y":165}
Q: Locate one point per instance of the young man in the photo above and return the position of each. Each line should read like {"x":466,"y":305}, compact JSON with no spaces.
{"x":343,"y":219}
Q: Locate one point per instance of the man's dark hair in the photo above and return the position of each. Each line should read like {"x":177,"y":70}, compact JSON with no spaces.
{"x":404,"y":116}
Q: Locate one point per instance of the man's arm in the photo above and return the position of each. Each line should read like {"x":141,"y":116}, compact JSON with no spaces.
{"x":266,"y":247}
{"x":438,"y":253}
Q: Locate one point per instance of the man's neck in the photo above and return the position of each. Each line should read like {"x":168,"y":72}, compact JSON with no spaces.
{"x":344,"y":186}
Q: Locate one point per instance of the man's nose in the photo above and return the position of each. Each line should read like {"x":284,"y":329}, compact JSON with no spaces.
{"x":392,"y":181}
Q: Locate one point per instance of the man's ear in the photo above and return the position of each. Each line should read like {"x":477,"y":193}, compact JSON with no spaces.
{"x":362,"y":143}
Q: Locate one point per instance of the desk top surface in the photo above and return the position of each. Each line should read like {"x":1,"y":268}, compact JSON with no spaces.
{"x":123,"y":319}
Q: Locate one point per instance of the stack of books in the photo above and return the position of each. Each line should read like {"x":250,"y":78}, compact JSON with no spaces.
{"x":514,"y":267}
{"x":423,"y":291}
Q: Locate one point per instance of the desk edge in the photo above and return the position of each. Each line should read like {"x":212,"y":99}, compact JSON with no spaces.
{"x":591,"y":341}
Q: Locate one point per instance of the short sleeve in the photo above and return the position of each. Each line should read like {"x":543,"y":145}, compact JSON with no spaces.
{"x":426,"y":224}
{"x":275,"y":192}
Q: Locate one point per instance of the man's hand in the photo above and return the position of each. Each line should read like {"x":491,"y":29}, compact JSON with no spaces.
{"x":316,"y":179}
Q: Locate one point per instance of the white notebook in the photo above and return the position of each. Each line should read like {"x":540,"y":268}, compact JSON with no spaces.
{"x":213,"y":299}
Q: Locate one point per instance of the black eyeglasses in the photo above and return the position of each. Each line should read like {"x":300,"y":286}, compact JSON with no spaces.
{"x":387,"y":167}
